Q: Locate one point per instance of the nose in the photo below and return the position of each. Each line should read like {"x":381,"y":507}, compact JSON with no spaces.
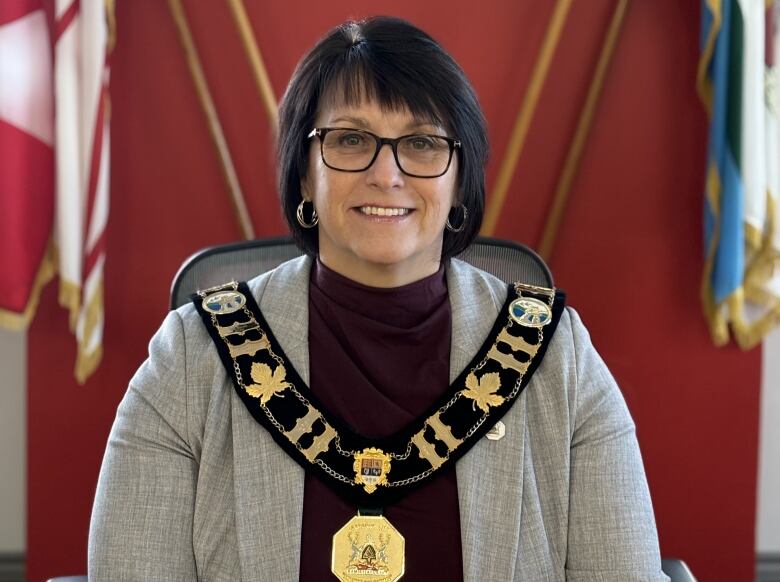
{"x":384,"y":173}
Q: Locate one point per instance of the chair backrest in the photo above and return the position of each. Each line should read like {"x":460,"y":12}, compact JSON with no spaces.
{"x":507,"y":260}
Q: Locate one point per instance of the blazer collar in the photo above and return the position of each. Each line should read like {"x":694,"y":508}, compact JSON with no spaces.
{"x":489,"y":517}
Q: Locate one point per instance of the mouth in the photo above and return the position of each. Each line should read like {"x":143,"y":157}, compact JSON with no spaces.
{"x":384,"y":210}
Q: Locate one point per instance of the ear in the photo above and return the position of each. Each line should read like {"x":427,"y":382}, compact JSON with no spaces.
{"x":457,"y":199}
{"x":305,"y":190}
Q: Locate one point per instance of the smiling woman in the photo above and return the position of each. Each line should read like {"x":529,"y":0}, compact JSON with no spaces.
{"x":327,"y":420}
{"x":386,"y":78}
{"x":378,"y":224}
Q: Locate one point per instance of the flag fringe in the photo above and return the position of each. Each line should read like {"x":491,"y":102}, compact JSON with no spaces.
{"x":87,"y":361}
{"x":110,"y":8}
{"x":730,"y":312}
{"x":70,"y":299}
{"x":763,"y":260}
{"x":86,"y":364}
{"x":754,"y":238}
{"x":712,"y":311}
{"x":749,"y":334}
{"x":703,"y":83}
{"x":46,"y":271}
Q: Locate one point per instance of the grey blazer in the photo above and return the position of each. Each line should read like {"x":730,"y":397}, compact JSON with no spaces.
{"x":192,"y":488}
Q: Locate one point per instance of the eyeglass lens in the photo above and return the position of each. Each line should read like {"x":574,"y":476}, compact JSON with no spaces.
{"x":421,"y":155}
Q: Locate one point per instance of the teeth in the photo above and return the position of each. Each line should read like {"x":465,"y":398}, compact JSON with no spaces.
{"x":380,"y":211}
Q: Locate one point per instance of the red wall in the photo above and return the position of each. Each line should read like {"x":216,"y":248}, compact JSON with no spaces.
{"x":629,"y":254}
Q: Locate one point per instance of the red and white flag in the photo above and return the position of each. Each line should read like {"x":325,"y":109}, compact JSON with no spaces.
{"x":82,"y":38}
{"x":26,"y":159}
{"x":54,"y":149}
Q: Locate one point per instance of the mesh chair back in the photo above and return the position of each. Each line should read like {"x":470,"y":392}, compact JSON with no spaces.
{"x":509,"y":261}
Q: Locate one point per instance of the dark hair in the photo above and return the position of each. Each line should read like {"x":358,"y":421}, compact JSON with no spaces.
{"x":394,"y":63}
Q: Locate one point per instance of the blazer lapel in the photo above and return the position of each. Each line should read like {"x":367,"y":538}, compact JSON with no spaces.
{"x":489,"y":518}
{"x":268,"y":483}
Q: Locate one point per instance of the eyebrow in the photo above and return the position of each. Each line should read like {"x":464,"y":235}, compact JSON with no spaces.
{"x":362,"y":122}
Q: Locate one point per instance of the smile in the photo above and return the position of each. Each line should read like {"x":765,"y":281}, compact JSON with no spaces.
{"x":382,"y":211}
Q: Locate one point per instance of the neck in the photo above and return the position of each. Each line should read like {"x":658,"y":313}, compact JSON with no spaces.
{"x":380,"y":275}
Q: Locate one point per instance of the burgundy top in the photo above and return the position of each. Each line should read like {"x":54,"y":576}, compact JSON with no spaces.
{"x":379,"y":358}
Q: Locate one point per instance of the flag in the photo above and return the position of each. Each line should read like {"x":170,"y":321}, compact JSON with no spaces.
{"x":26,"y":159}
{"x":741,"y":281}
{"x":54,"y":148}
{"x":82,"y":42}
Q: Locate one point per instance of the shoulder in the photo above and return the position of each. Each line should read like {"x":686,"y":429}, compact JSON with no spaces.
{"x":292,"y":274}
{"x":183,"y":364}
{"x":575,"y":380}
{"x":286,"y":284}
{"x":470,"y":282}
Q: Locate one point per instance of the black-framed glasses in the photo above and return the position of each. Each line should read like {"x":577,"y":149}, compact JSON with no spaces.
{"x":419,"y":155}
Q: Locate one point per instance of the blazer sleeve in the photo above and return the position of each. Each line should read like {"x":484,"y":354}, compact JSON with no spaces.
{"x":141,"y":527}
{"x":611,"y":532}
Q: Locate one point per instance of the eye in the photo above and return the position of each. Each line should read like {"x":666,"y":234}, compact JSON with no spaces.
{"x":421,"y":143}
{"x":351,"y":139}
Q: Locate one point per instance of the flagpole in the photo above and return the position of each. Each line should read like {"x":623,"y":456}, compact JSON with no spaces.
{"x":562,"y":189}
{"x":524,"y":117}
{"x":255,"y":59}
{"x":214,"y":125}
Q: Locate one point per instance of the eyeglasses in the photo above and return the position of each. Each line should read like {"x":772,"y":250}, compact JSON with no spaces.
{"x":354,"y":150}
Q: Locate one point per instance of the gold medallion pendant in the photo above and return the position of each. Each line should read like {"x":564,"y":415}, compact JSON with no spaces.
{"x":368,"y":547}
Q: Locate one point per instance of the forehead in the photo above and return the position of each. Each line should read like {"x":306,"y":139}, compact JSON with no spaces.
{"x":368,"y":106}
{"x":371,"y":116}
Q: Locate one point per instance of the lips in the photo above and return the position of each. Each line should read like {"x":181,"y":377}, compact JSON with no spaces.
{"x":384,"y":210}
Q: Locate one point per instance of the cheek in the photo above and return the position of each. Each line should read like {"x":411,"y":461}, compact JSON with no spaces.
{"x":450,"y":186}
{"x":450,"y":199}
{"x":313,"y":180}
{"x":314,"y":184}
{"x":440,"y":201}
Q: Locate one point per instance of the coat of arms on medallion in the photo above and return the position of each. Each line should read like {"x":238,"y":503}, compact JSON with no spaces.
{"x":368,"y":549}
{"x":371,"y":468}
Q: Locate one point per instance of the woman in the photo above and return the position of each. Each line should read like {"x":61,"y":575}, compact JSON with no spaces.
{"x":224,"y":465}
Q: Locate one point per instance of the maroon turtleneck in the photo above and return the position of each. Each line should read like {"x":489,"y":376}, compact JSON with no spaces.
{"x":379,"y":358}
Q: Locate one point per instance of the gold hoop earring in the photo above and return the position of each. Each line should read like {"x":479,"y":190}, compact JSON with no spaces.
{"x":462,"y":224}
{"x":301,"y":220}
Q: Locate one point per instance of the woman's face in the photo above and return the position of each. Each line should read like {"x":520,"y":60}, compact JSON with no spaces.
{"x":379,"y":227}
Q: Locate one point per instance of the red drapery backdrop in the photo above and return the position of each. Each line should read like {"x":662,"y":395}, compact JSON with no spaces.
{"x":629,"y":253}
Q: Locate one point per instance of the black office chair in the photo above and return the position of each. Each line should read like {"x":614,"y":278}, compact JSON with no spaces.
{"x":677,"y":570}
{"x":509,"y":261}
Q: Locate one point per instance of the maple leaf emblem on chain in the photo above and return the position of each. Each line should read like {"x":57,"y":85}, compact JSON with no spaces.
{"x":267,"y":383}
{"x":483,"y":390}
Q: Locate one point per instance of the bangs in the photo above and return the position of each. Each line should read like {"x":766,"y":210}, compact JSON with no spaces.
{"x":361,"y":77}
